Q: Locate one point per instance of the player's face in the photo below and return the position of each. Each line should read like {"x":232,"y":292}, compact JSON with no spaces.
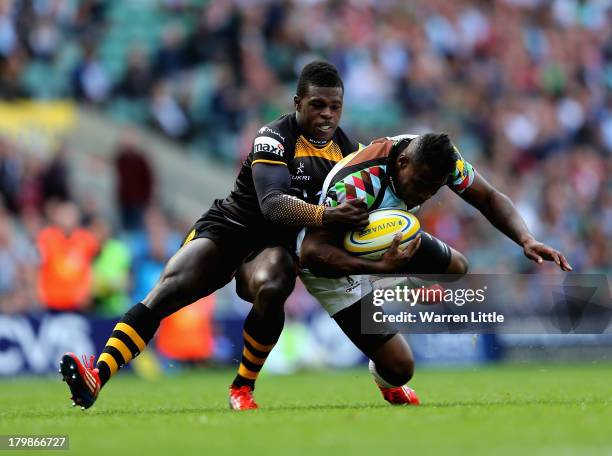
{"x":319,"y":111}
{"x":416,"y":183}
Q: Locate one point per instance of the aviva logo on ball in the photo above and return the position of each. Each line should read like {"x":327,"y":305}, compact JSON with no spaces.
{"x":374,"y":240}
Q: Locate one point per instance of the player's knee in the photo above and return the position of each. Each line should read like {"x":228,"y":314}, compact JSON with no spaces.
{"x":272,"y":286}
{"x":272,"y":294}
{"x":273,"y":291}
{"x":275,"y":281}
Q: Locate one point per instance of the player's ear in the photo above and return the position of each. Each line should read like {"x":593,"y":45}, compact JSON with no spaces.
{"x":296,"y":102}
{"x":403,"y":160}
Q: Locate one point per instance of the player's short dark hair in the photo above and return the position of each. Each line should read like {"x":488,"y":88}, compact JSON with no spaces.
{"x":319,"y":74}
{"x":436,"y":151}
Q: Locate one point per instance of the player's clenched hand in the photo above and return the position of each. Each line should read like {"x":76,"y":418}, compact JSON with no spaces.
{"x":539,"y":252}
{"x":351,"y":213}
{"x":395,"y":258}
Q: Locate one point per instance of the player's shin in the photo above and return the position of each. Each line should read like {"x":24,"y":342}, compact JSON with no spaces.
{"x":261,"y":332}
{"x":128,"y":339}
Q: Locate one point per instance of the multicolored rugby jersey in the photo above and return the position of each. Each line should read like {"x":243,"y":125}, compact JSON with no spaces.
{"x":365,"y":174}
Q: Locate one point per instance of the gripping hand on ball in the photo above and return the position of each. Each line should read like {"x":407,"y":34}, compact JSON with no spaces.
{"x":395,"y":259}
{"x":350,"y":214}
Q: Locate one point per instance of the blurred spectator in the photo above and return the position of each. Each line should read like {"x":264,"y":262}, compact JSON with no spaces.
{"x":11,"y":83}
{"x":187,"y":335}
{"x":170,"y":57}
{"x":31,"y":222}
{"x":151,"y":249}
{"x":17,"y":269}
{"x":67,"y":252}
{"x":44,"y":39}
{"x":169,"y":115}
{"x":137,"y":80}
{"x":55,"y":177}
{"x":90,"y":81}
{"x":10,"y":176}
{"x":199,"y":46}
{"x":8,"y":32}
{"x":227,"y":101}
{"x":111,"y":272}
{"x":135,"y":181}
{"x":31,"y":185}
{"x":90,"y":16}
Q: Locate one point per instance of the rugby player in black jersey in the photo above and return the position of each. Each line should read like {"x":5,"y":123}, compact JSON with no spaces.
{"x":400,"y":172}
{"x":250,"y":235}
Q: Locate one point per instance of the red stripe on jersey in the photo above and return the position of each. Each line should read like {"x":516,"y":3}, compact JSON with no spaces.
{"x":359,"y":183}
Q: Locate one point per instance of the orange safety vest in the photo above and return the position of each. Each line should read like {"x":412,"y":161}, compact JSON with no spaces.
{"x":187,"y":335}
{"x":65,"y":278}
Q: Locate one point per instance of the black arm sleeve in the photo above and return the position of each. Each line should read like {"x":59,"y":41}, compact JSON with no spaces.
{"x":269,"y":179}
{"x":272,"y":183}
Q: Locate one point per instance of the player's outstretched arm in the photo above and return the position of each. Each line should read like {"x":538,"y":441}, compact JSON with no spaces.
{"x":272,"y":183}
{"x":320,"y":253}
{"x":502,"y":214}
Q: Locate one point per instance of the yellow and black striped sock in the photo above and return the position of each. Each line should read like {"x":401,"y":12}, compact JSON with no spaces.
{"x":129,"y":338}
{"x":260,"y":336}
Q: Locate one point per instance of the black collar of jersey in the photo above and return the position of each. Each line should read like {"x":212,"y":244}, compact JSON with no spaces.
{"x":392,"y":162}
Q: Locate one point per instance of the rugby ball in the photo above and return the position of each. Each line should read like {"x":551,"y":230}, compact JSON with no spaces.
{"x":374,"y":240}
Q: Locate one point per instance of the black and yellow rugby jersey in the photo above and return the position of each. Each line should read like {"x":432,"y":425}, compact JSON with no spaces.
{"x":282,"y":143}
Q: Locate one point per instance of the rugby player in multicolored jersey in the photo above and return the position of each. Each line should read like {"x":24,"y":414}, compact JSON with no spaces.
{"x":399,"y":172}
{"x":250,"y":235}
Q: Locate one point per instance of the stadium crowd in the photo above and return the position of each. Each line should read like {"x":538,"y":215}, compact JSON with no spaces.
{"x":63,"y":254}
{"x":522,"y":86}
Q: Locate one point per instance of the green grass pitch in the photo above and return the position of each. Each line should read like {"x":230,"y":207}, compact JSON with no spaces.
{"x":502,"y":410}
